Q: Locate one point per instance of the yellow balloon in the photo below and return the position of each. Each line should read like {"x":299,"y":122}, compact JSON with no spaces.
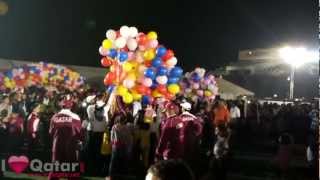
{"x":107,"y":44}
{"x":174,"y":88}
{"x":156,"y":94}
{"x":149,"y":55}
{"x":152,"y":35}
{"x":127,"y":98}
{"x":207,"y":93}
{"x":136,"y":96}
{"x":6,"y":79}
{"x":122,"y":90}
{"x":134,"y":65}
{"x":127,"y":66}
{"x":132,"y":76}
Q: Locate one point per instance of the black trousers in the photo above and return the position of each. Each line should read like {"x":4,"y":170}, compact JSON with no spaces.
{"x":95,"y":158}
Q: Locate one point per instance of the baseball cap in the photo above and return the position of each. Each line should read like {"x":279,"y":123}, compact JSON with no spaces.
{"x":186,"y":105}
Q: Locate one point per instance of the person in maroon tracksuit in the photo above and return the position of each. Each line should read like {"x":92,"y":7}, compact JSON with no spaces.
{"x":65,"y":129}
{"x":181,"y":135}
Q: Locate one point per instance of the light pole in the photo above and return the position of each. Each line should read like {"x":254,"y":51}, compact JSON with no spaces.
{"x":291,"y":82}
{"x":296,"y":57}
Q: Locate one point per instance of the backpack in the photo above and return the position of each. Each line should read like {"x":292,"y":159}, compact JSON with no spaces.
{"x":99,"y":113}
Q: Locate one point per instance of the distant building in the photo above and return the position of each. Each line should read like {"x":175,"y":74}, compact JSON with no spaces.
{"x":270,"y":54}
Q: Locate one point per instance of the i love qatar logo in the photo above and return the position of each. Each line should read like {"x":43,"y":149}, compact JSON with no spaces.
{"x":19,"y":164}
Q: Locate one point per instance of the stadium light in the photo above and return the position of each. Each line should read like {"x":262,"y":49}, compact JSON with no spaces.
{"x":296,"y":57}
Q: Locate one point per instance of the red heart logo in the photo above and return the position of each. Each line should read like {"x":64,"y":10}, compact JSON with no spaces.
{"x":18,"y":164}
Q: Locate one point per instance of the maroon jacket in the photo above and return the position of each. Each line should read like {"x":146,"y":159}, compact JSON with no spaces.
{"x":33,"y":122}
{"x":65,"y":129}
{"x":180,"y":137}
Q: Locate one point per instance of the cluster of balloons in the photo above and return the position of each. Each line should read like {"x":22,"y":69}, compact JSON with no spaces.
{"x":198,"y":85}
{"x":139,"y":67}
{"x":42,"y":73}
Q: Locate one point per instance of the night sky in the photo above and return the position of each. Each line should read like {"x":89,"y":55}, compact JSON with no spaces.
{"x":206,"y":33}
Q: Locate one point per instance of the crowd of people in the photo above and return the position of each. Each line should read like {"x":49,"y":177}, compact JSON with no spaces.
{"x":119,"y":141}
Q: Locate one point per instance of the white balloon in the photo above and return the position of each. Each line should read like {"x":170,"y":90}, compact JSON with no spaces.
{"x":128,"y":83}
{"x":132,"y":44}
{"x":125,"y":31}
{"x":172,"y":62}
{"x":162,"y":79}
{"x":111,"y":34}
{"x":120,"y":42}
{"x":147,"y":82}
{"x":133,"y":31}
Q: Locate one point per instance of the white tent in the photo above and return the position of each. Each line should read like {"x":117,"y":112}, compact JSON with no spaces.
{"x":229,"y":90}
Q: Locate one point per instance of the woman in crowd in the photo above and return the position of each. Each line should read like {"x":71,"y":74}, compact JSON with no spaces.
{"x":121,"y":140}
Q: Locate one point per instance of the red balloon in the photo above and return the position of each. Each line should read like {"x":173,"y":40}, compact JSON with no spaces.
{"x":109,"y":78}
{"x":142,"y":39}
{"x":169,"y":96}
{"x":148,"y":92}
{"x":148,"y":63}
{"x":141,"y":89}
{"x":126,"y":49}
{"x":162,"y":89}
{"x":106,"y":62}
{"x":169,"y":54}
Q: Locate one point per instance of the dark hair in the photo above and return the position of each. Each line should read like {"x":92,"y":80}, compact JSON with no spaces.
{"x":120,"y":119}
{"x":171,"y":170}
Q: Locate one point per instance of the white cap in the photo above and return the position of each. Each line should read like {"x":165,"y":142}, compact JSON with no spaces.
{"x":186,"y":106}
{"x":100,"y":103}
{"x":89,"y":99}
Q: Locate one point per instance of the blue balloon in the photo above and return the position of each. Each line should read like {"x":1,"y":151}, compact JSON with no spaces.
{"x":157,"y":62}
{"x":66,"y":78}
{"x":176,"y":72}
{"x":123,"y":56}
{"x":150,"y":73}
{"x":162,"y":71}
{"x":154,"y":84}
{"x":195,"y":77}
{"x":9,"y":74}
{"x":113,"y":53}
{"x":173,"y":80}
{"x":161,"y":51}
{"x":145,"y":100}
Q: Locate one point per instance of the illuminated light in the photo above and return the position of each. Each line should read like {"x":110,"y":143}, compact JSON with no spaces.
{"x":3,"y":8}
{"x":298,"y":56}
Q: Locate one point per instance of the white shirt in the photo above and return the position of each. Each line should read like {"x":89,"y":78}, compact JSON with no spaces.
{"x":95,"y":125}
{"x":136,"y":108}
{"x":234,"y":112}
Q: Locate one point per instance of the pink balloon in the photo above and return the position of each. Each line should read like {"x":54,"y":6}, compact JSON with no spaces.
{"x":147,"y":82}
{"x":206,"y":81}
{"x":139,"y":57}
{"x":153,"y":43}
{"x":142,"y":68}
{"x":200,"y":93}
{"x":128,"y":83}
{"x":195,"y":86}
{"x":171,"y":62}
{"x":131,"y":55}
{"x":142,"y":48}
{"x":103,"y":51}
{"x":188,"y":90}
{"x":162,"y":79}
